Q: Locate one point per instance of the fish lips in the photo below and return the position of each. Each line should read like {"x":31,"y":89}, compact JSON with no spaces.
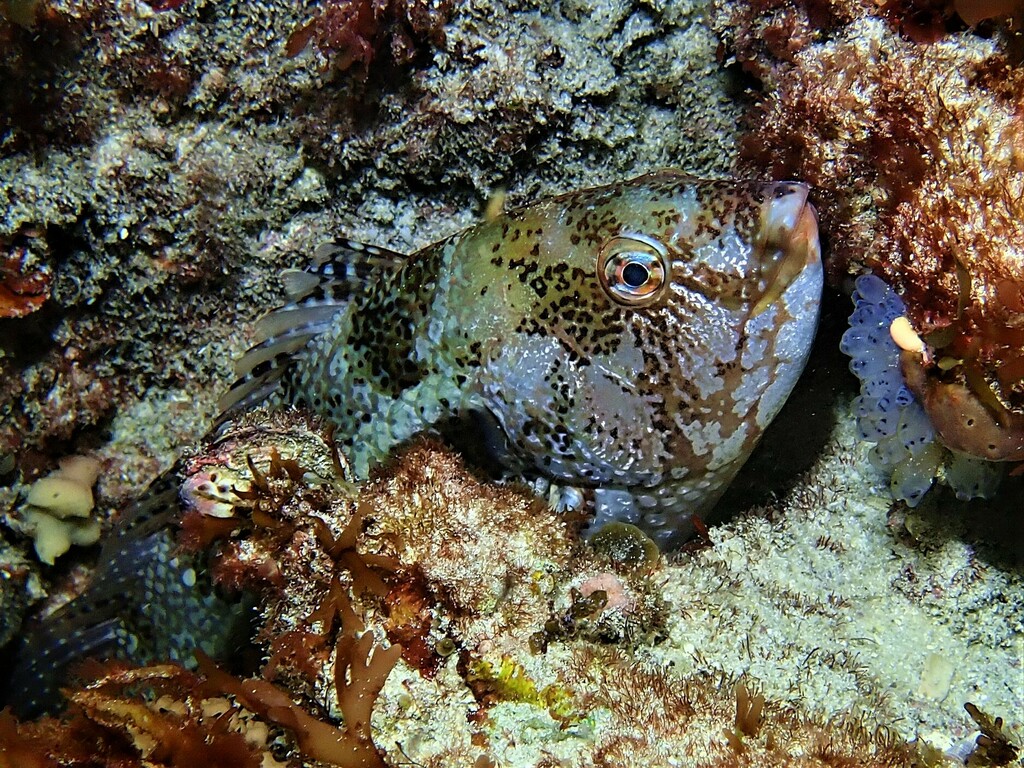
{"x":790,"y":239}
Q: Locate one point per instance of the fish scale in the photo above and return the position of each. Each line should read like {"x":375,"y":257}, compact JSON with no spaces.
{"x":635,"y":339}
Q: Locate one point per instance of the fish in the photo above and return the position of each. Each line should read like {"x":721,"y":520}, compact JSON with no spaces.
{"x":633,"y":340}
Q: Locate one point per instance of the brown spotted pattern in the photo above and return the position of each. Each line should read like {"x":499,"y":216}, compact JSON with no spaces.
{"x":655,"y":406}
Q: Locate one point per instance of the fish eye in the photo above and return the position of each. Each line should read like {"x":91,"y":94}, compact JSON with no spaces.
{"x":633,"y":269}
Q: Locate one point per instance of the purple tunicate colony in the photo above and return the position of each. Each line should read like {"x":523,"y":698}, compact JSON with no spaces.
{"x":887,"y":413}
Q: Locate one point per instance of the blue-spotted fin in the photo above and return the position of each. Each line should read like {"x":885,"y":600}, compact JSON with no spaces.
{"x":635,"y":339}
{"x":146,"y":602}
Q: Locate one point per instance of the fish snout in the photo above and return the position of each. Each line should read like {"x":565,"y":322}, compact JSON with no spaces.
{"x":790,"y":243}
{"x":790,"y":221}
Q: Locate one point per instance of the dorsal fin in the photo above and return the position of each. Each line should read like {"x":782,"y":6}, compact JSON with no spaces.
{"x":340,"y":269}
{"x":345,"y":261}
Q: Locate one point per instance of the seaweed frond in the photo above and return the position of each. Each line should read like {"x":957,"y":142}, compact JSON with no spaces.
{"x":361,"y":670}
{"x":992,"y":747}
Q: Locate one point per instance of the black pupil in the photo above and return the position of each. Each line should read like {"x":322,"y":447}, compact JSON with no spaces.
{"x":635,"y":274}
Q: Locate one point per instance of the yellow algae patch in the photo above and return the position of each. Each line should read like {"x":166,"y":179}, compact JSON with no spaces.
{"x":58,"y":506}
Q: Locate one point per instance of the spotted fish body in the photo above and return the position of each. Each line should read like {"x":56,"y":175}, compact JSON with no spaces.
{"x":635,"y":339}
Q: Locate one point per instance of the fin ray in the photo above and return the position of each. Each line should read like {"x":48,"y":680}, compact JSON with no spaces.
{"x":339,"y":270}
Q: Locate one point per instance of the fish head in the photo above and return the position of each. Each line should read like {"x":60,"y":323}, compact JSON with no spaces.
{"x":740,"y":244}
{"x":660,"y":324}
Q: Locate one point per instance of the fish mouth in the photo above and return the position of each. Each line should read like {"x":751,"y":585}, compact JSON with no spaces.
{"x":790,"y":231}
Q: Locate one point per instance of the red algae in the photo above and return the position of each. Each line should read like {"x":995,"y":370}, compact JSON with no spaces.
{"x":21,"y":292}
{"x":350,"y":32}
{"x":918,"y":154}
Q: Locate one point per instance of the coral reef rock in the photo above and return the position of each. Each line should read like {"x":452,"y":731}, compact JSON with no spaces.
{"x":432,"y":617}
